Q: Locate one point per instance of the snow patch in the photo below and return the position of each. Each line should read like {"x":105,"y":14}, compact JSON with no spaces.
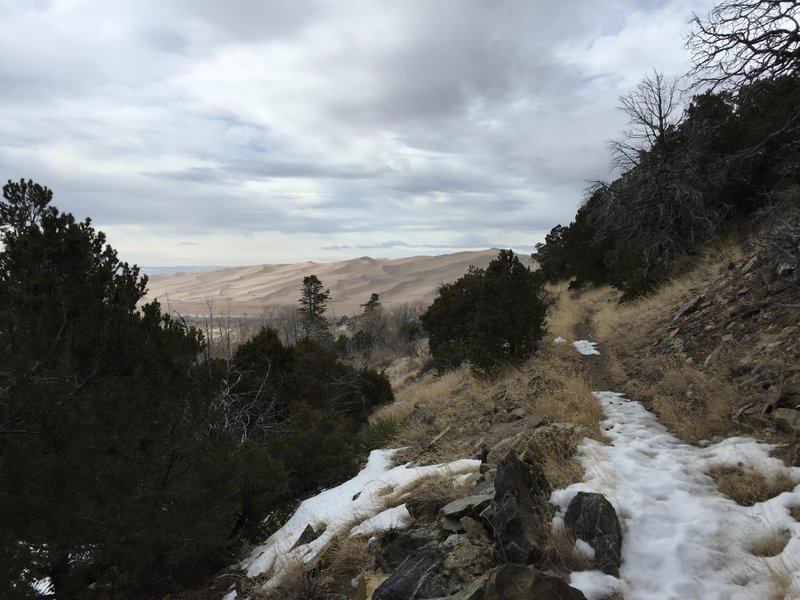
{"x":682,"y":537}
{"x":586,"y":347}
{"x":596,"y":585}
{"x":392,"y":518}
{"x":357,"y":500}
{"x":559,"y":340}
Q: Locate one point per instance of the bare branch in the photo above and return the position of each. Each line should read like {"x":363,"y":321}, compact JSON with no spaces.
{"x":741,"y":41}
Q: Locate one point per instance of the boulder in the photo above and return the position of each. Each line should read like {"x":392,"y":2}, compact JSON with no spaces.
{"x":521,"y":492}
{"x":515,"y":582}
{"x":591,"y":518}
{"x":399,"y":545}
{"x":419,"y":577}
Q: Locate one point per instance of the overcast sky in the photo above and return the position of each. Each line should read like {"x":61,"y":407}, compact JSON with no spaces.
{"x":256,"y":131}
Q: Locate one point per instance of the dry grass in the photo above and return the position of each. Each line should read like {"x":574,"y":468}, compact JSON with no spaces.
{"x":560,"y":554}
{"x":427,"y":495}
{"x":749,"y":487}
{"x":692,"y":402}
{"x":348,"y":556}
{"x":771,"y":543}
{"x":782,"y":579}
{"x":559,"y":392}
{"x":440,"y":417}
{"x":573,"y":307}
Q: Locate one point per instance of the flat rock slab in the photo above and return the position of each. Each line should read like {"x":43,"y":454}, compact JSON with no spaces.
{"x":466,"y":507}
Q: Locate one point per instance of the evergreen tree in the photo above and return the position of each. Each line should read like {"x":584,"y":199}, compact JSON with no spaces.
{"x":448,"y":320}
{"x":509,"y":316}
{"x":373,"y":304}
{"x":313,"y":304}
{"x":107,"y":472}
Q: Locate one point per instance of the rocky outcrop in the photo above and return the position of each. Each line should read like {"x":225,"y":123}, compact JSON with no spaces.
{"x":521,"y":493}
{"x":742,"y":323}
{"x":591,"y":518}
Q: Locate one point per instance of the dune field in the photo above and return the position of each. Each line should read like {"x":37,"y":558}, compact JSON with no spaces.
{"x":248,"y":290}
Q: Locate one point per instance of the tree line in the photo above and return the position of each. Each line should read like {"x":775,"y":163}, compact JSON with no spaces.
{"x":686,"y":173}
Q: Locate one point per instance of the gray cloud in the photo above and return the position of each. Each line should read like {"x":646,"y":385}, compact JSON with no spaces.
{"x":240,"y":132}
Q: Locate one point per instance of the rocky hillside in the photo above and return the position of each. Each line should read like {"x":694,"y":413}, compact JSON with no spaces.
{"x":647,"y":450}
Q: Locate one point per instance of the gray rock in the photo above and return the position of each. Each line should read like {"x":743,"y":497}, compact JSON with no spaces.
{"x":308,"y":535}
{"x":521,"y":492}
{"x":450,"y":525}
{"x":591,"y":518}
{"x":473,"y":529}
{"x":515,"y":582}
{"x":484,"y":487}
{"x":419,"y":577}
{"x":689,"y":307}
{"x":399,"y":545}
{"x":471,"y":505}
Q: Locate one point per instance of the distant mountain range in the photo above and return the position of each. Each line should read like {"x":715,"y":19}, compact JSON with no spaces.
{"x":240,"y":290}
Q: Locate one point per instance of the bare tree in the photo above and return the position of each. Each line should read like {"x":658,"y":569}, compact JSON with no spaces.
{"x":741,"y":41}
{"x":656,"y":208}
{"x":653,"y":109}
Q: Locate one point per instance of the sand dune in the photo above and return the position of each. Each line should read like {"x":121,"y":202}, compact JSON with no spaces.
{"x":240,"y":290}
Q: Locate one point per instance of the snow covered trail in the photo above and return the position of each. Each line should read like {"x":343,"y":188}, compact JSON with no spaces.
{"x":682,"y":538}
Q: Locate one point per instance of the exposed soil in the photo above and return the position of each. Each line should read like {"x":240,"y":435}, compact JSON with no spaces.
{"x":595,"y":366}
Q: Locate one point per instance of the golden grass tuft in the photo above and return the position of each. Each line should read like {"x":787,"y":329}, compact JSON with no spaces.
{"x":749,"y":487}
{"x":560,"y":554}
{"x":349,"y":556}
{"x":782,"y":581}
{"x":572,"y":308}
{"x":769,"y":544}
{"x":427,"y":495}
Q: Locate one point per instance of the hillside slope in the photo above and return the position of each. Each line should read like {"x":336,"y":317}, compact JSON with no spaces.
{"x":249,"y":289}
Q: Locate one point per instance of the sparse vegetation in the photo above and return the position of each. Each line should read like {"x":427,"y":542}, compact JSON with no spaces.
{"x":747,"y":487}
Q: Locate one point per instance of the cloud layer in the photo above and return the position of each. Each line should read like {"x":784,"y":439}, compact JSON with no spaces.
{"x":200,"y":132}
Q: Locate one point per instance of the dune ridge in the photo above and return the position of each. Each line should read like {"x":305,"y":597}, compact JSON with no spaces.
{"x":251,"y":289}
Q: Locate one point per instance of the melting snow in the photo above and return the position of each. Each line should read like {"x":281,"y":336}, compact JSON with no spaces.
{"x":682,"y":538}
{"x":362,"y":499}
{"x":585,"y":347}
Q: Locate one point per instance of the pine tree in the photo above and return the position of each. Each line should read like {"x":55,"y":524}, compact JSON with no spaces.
{"x":313,"y":304}
{"x":107,"y":472}
{"x":509,"y":316}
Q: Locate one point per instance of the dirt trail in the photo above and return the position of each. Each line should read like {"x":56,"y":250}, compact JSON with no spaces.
{"x":595,"y":366}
